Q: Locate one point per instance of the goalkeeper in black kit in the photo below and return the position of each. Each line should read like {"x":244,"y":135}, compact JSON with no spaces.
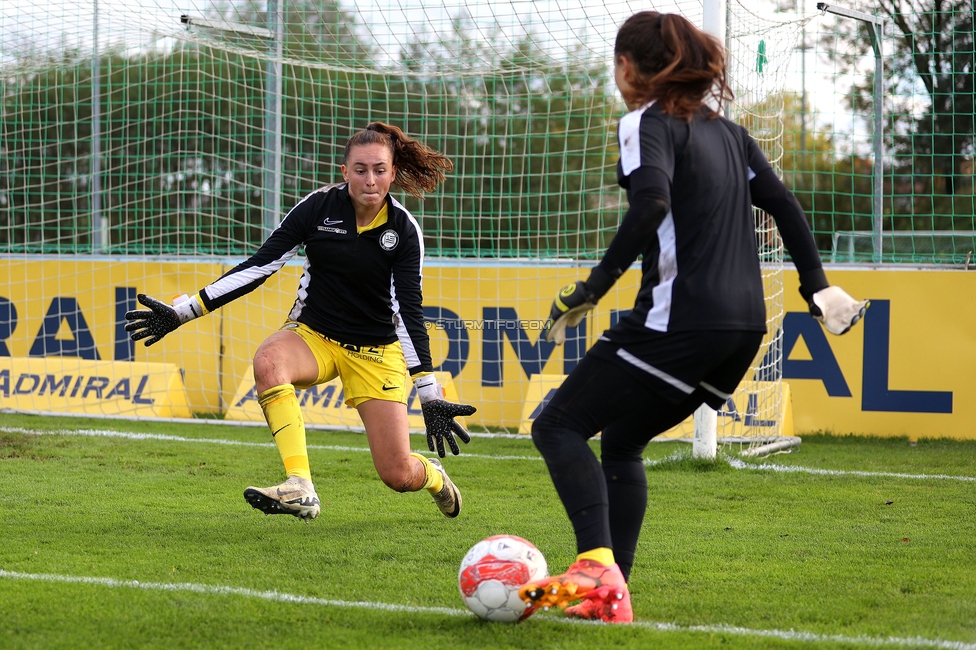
{"x":692,"y":178}
{"x":358,"y":315}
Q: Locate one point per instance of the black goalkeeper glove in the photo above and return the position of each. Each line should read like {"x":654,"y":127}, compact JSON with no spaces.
{"x":439,"y":416}
{"x":568,"y":309}
{"x":160,"y":319}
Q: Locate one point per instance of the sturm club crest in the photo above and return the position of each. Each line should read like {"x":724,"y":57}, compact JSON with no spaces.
{"x":389,"y":240}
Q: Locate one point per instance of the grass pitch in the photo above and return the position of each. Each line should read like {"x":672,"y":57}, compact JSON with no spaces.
{"x":121,"y":534}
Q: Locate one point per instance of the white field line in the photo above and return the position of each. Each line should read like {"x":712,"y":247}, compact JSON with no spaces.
{"x":231,"y":423}
{"x":276,"y":596}
{"x":738,"y":464}
{"x":98,"y":433}
{"x":734,"y":462}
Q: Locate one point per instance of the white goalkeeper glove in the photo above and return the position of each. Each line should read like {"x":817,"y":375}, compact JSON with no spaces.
{"x":836,"y":310}
{"x":439,"y":415}
{"x":568,"y":309}
{"x":160,"y":319}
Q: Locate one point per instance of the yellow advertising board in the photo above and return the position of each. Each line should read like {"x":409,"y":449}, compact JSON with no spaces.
{"x":756,"y":410}
{"x":484,"y":324}
{"x":324,"y":405}
{"x":540,"y":391}
{"x":74,"y":308}
{"x":905,"y":370}
{"x":92,"y":387}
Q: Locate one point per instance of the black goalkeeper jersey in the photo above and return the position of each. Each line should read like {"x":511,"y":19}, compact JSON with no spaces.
{"x":700,"y":268}
{"x":357,"y":288}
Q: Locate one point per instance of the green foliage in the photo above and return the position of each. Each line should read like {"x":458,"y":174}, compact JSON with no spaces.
{"x":834,"y":190}
{"x":530,"y":137}
{"x":184,"y":141}
{"x":930,"y":55}
{"x":317,"y":31}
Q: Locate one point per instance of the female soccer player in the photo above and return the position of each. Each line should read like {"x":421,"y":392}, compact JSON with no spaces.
{"x":692,"y":178}
{"x":358,"y":316}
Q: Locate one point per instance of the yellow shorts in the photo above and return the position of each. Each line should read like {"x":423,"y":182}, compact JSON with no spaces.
{"x":366,"y":371}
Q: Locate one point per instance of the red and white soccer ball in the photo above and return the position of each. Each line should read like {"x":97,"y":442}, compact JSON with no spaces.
{"x":492,"y":572}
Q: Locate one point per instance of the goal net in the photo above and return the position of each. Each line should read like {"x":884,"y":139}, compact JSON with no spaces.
{"x":148,"y":146}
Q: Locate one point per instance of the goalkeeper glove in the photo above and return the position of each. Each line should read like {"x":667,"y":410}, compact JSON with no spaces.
{"x":439,"y":415}
{"x":836,"y":310}
{"x":568,"y":309}
{"x":160,"y":319}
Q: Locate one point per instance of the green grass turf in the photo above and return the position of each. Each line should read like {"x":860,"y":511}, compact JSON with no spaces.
{"x":729,"y":557}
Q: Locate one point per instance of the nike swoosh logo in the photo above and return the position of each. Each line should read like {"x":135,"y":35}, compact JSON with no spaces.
{"x":330,"y":222}
{"x":385,"y":387}
{"x":280,"y":430}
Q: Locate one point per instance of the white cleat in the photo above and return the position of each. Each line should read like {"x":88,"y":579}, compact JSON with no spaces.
{"x":448,"y":498}
{"x":296,"y":497}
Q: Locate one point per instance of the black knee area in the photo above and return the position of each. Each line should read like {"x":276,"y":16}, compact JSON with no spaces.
{"x":549,"y":432}
{"x":542,"y":437}
{"x":624,"y":470}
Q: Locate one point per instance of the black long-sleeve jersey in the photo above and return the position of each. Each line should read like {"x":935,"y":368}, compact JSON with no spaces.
{"x":691,"y":188}
{"x":356,"y":288}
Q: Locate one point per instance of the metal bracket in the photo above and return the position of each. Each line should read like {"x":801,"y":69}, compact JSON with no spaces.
{"x":226,"y":26}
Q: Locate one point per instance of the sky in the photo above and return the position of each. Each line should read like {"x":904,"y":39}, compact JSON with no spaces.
{"x":393,"y":20}
{"x":561,"y":26}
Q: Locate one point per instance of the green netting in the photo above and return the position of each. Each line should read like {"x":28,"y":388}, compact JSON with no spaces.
{"x":518,"y":94}
{"x":127,"y":132}
{"x":184,"y":148}
{"x":928,"y":126}
{"x":184,"y":156}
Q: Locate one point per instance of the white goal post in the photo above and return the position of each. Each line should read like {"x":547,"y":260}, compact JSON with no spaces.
{"x":720,"y":20}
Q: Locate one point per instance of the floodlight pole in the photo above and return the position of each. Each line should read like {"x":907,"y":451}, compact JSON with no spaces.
{"x":100,"y":222}
{"x":875,"y":26}
{"x":272,"y":129}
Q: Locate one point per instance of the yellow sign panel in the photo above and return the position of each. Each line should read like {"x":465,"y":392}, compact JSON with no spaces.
{"x":74,"y":308}
{"x":94,"y":387}
{"x":540,"y":391}
{"x":484,"y":327}
{"x":324,"y":405}
{"x":905,"y":370}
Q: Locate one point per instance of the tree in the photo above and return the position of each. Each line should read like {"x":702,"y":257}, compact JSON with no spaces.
{"x":314,"y":30}
{"x":533,"y":139}
{"x":931,"y":52}
{"x":183,"y":141}
{"x":834,"y":189}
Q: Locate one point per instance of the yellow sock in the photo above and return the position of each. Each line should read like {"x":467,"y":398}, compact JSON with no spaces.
{"x":603,"y":555}
{"x":434,"y":481}
{"x":284,"y":417}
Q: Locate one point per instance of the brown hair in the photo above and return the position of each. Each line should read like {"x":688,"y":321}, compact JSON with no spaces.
{"x":419,"y":168}
{"x":678,"y":65}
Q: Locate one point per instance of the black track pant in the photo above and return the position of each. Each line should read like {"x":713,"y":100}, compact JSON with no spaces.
{"x":605,"y":501}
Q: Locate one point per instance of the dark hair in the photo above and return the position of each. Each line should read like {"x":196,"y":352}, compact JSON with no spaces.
{"x":678,"y":65}
{"x":419,"y":168}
